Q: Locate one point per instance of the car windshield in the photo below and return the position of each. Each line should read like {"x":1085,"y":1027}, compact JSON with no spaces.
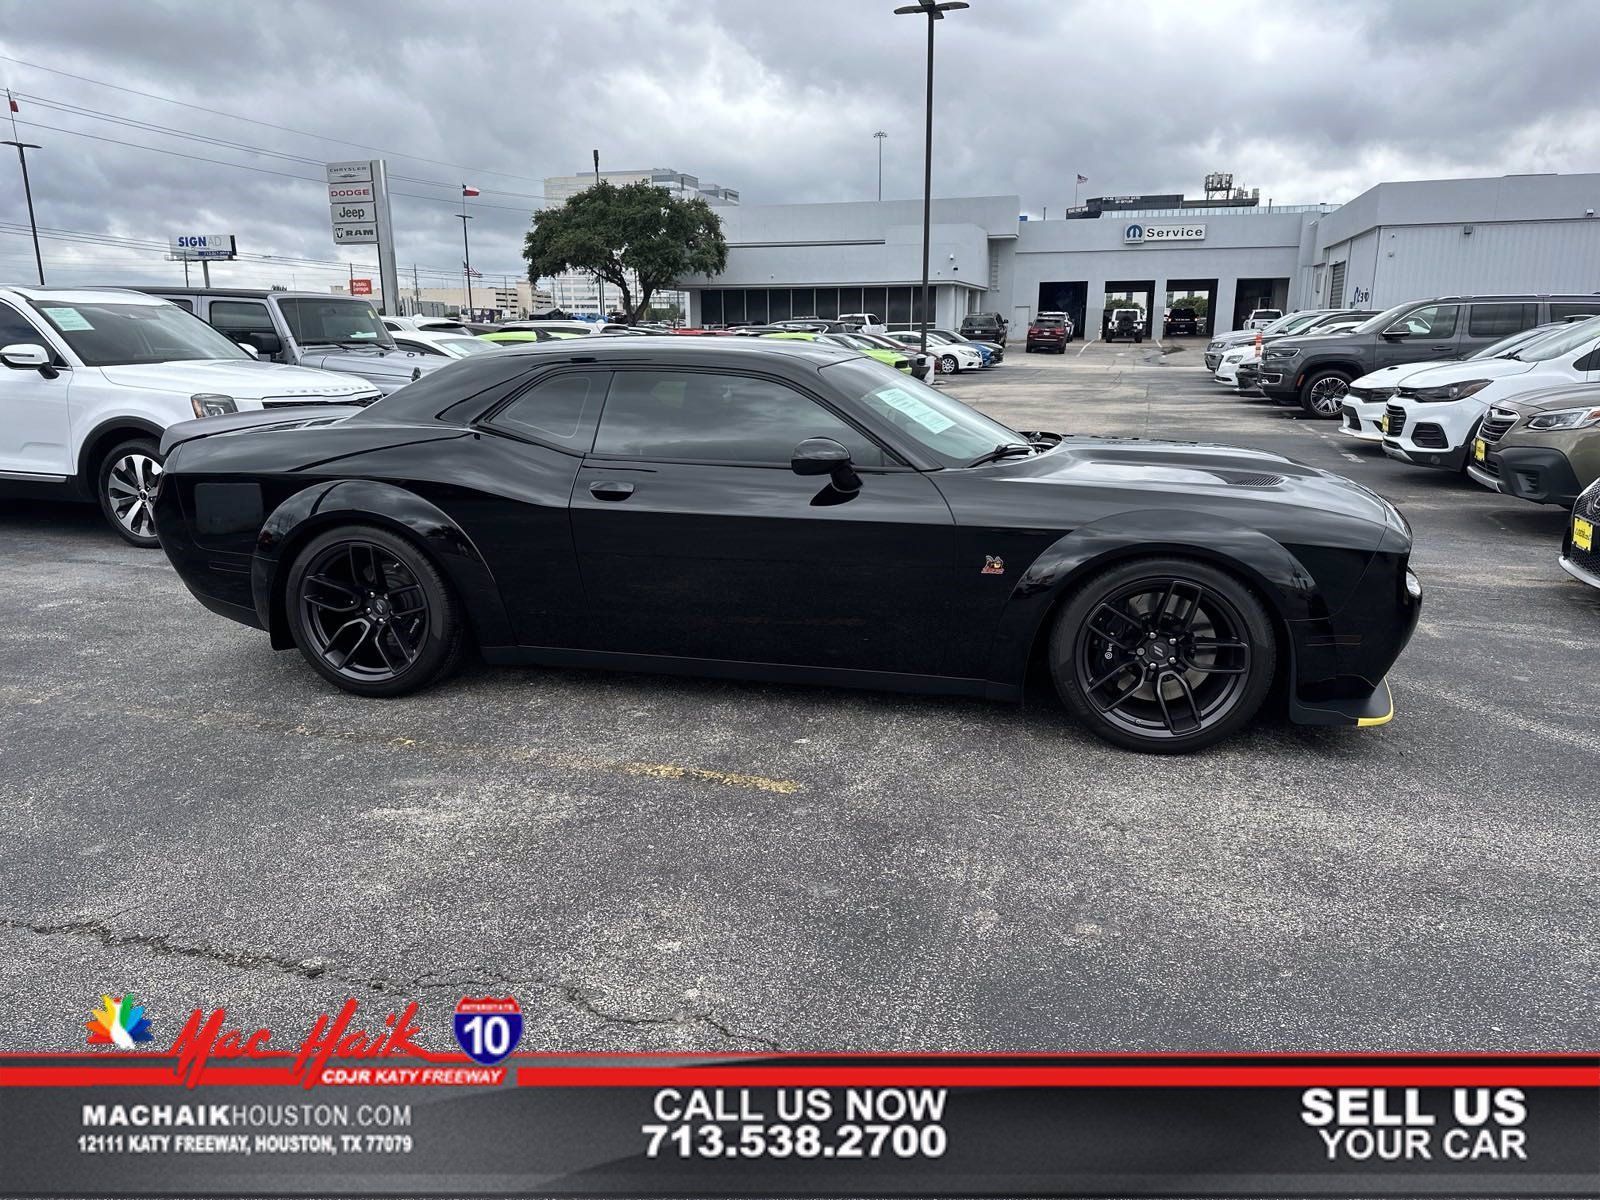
{"x":318,"y":322}
{"x":463,"y":346}
{"x":948,"y":430}
{"x":1561,"y":342}
{"x":1295,"y":322}
{"x":104,"y":333}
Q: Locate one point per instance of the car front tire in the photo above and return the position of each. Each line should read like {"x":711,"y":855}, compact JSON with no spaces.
{"x":371,"y":613}
{"x":1163,"y":655}
{"x":948,"y":364}
{"x":1323,"y":394}
{"x":125,"y":485}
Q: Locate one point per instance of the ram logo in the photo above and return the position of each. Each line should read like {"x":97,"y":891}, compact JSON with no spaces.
{"x":1133,"y":233}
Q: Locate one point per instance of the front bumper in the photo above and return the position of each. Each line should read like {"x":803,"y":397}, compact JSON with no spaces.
{"x":1450,"y":459}
{"x":1360,"y":420}
{"x":1537,"y":474}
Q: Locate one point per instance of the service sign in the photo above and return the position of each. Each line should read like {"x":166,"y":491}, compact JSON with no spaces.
{"x":203,"y":246}
{"x":1136,"y":233}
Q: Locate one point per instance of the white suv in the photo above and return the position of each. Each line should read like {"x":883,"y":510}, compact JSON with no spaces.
{"x":89,"y":379}
{"x":1431,"y":419}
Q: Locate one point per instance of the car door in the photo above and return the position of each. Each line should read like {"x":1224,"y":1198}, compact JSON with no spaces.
{"x":1422,"y":335}
{"x":695,"y":538}
{"x":35,"y":425}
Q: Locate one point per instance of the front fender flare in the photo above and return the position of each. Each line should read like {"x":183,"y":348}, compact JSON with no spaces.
{"x":342,"y":502}
{"x":1287,"y":587}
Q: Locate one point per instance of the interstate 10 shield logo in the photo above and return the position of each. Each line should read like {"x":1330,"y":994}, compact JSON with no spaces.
{"x":488,"y":1027}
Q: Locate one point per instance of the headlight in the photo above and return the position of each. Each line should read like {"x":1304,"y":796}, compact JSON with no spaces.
{"x":211,"y":404}
{"x":1449,"y":391}
{"x":1413,"y":585}
{"x":1281,"y":353}
{"x":1566,"y":418}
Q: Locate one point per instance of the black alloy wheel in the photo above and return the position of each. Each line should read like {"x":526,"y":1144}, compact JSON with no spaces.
{"x":1163,"y":655}
{"x":126,"y":488}
{"x":371,"y":613}
{"x":1324,"y":393}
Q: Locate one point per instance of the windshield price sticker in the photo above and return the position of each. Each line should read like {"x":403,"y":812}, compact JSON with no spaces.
{"x":919,"y":411}
{"x":68,"y":320}
{"x":805,"y":1123}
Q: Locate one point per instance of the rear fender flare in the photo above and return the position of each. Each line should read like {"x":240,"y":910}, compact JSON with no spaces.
{"x":343,"y":502}
{"x":1288,"y":589}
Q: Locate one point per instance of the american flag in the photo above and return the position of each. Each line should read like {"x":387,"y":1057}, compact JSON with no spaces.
{"x":473,"y":271}
{"x":1083,"y":179}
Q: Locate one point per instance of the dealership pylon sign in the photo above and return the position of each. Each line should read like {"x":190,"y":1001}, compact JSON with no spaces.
{"x":358,"y":204}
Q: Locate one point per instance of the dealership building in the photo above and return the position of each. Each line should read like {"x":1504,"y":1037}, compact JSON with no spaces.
{"x":1394,"y":242}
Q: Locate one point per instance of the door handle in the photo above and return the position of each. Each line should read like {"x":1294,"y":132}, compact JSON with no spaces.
{"x":610,"y":489}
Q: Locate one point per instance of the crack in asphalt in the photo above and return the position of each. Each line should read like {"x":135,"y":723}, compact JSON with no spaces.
{"x":320,"y":968}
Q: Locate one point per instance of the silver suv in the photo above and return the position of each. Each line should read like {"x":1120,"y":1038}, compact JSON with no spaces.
{"x":307,"y":329}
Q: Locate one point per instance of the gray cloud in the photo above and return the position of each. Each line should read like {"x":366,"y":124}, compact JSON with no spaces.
{"x":1307,"y":102}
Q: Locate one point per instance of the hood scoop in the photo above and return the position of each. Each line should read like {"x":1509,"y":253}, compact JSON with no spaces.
{"x":1256,"y":479}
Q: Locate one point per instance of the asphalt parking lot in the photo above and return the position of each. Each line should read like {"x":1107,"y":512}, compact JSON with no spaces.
{"x":667,"y":864}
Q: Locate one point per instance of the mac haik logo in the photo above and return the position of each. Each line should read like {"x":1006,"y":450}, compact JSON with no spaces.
{"x":488,"y":1027}
{"x":118,"y":1022}
{"x":207,"y":1037}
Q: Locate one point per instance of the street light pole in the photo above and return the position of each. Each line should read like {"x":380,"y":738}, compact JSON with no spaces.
{"x":27,"y":190}
{"x":466,"y":258}
{"x":878,"y":137}
{"x":934,"y":10}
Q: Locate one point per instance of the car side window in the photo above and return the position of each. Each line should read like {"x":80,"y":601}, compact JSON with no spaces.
{"x":239,"y":317}
{"x":1498,"y":320}
{"x":560,"y":409}
{"x":186,"y":305}
{"x":16,"y":330}
{"x":1433,"y":323}
{"x":1584,"y":308}
{"x":691,"y":416}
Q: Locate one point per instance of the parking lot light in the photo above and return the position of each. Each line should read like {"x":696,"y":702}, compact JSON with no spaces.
{"x":935,"y":10}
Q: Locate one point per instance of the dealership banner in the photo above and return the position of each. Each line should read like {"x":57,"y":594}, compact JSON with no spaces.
{"x":404,"y":1102}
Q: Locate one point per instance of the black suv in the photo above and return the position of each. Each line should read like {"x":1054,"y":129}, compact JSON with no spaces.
{"x":1315,"y":372}
{"x":1182,"y":320}
{"x":984,"y":327}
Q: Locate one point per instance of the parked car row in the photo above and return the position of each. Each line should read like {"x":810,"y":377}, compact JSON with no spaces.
{"x":95,"y":375}
{"x":1518,"y":414}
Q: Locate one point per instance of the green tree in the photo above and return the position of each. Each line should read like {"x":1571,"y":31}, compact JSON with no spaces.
{"x":1200,"y":304}
{"x":636,"y":235}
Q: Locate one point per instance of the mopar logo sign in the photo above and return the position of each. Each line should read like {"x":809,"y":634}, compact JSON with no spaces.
{"x":1137,"y":234}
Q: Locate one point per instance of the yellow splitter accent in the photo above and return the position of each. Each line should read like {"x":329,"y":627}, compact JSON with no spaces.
{"x":1387,"y":717}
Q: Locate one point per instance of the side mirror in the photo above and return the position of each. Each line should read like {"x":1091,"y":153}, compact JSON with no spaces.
{"x":265,"y":345}
{"x":26,"y":356}
{"x":824,"y":456}
{"x":1396,"y":332}
{"x":249,"y":349}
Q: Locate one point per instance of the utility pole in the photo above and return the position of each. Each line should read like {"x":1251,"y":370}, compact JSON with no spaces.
{"x":599,"y":279}
{"x":205,"y":271}
{"x":878,"y":137}
{"x":27,"y":188}
{"x":934,"y":10}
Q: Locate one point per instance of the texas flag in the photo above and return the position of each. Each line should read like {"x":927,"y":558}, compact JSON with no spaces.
{"x":12,"y":102}
{"x":468,"y":190}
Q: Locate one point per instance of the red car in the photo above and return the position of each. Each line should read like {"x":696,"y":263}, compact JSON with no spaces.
{"x":1047,"y":333}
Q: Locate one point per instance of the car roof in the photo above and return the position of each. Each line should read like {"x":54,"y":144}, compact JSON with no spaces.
{"x":246,"y":293}
{"x":1587,"y":297}
{"x":85,"y":295}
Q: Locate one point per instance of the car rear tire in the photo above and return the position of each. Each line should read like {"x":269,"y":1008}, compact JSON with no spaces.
{"x":1323,"y":394}
{"x":125,"y":485}
{"x":371,"y":613}
{"x":1163,"y":655}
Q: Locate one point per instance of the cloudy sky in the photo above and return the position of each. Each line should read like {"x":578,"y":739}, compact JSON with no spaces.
{"x":778,"y":98}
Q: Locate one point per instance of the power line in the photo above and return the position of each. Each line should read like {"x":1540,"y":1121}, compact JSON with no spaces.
{"x":207,"y":139}
{"x":247,"y":167}
{"x":265,"y":124}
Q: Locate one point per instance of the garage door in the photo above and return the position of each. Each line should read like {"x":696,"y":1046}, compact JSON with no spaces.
{"x":1336,"y":286}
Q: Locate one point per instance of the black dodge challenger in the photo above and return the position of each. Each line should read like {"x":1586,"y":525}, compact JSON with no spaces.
{"x":790,"y":512}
